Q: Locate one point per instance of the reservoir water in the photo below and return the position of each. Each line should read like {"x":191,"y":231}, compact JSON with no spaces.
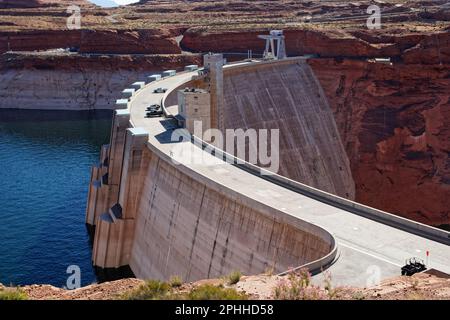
{"x":45,"y":160}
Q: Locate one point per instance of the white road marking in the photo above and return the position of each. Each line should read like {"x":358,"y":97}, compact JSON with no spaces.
{"x":369,"y":254}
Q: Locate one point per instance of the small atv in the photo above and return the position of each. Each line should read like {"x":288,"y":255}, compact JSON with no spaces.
{"x":412,"y":266}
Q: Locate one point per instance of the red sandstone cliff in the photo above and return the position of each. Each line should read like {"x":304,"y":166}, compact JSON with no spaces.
{"x":128,"y":41}
{"x":21,"y":3}
{"x":394,"y":122}
{"x":39,"y":3}
{"x":76,"y":63}
{"x":91,"y":41}
{"x":38,"y":40}
{"x":325,"y":43}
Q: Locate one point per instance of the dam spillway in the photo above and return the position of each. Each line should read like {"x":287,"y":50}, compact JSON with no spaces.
{"x":166,"y":218}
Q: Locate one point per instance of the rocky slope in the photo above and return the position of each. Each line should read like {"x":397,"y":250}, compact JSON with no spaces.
{"x":419,"y":286}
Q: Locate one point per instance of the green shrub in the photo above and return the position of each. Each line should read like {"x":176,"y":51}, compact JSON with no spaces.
{"x":150,"y":290}
{"x":358,"y":296}
{"x":175,"y":282}
{"x":234,"y":277}
{"x":12,"y":294}
{"x":298,"y":286}
{"x":210,"y":292}
{"x":157,"y":290}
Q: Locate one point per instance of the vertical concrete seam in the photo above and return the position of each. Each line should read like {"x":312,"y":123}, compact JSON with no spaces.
{"x":195,"y":232}
{"x":222,"y":212}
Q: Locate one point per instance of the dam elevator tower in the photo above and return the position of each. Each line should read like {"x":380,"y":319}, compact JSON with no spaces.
{"x":214,"y":65}
{"x":275,"y":45}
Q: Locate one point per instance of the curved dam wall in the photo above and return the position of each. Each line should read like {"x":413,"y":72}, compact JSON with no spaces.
{"x":164,"y":219}
{"x":286,"y":95}
{"x":189,"y":226}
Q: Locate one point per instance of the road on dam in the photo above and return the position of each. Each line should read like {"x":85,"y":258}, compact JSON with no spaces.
{"x":368,"y":250}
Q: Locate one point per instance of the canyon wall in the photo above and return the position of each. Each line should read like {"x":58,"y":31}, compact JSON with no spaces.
{"x":63,"y":90}
{"x":21,"y":4}
{"x":76,"y":82}
{"x":40,"y":3}
{"x":394,"y":121}
{"x":329,"y":43}
{"x":288,"y":97}
{"x":148,"y":41}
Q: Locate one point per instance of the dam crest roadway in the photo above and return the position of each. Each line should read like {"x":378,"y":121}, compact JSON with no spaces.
{"x":164,"y":218}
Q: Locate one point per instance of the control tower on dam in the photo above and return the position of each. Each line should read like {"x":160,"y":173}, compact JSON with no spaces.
{"x":203,"y":216}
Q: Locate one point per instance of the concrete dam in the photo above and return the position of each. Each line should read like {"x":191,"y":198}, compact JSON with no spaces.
{"x":288,"y":97}
{"x":164,"y":216}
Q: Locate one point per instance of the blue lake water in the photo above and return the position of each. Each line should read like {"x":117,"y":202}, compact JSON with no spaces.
{"x":45,"y":160}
